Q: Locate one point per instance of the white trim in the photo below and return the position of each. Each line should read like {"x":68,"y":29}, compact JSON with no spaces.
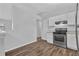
{"x":18,"y":46}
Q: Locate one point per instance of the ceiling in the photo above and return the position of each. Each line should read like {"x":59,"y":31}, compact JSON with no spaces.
{"x":42,"y":7}
{"x":51,"y":9}
{"x":48,"y":9}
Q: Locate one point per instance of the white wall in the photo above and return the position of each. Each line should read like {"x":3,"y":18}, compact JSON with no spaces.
{"x":5,"y":11}
{"x":24,"y":20}
{"x":24,"y":28}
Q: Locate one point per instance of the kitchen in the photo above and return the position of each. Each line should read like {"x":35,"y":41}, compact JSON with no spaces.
{"x":49,"y":27}
{"x":30,"y":23}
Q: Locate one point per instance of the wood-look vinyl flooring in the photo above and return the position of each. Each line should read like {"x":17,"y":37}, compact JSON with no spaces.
{"x":42,"y":48}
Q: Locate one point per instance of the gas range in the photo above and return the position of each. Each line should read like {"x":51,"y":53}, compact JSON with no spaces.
{"x":60,"y":37}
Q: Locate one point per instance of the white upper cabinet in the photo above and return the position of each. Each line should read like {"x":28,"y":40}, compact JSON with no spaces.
{"x":71,"y":18}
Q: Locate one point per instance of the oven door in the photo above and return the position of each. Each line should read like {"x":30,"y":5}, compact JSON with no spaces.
{"x":60,"y":39}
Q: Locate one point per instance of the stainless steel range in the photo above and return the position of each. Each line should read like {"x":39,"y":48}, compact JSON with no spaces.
{"x":60,"y":37}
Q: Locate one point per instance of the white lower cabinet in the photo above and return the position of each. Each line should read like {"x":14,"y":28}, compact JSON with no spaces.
{"x":71,"y":41}
{"x":50,"y":37}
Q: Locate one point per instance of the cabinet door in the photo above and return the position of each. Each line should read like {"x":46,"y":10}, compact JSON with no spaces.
{"x":71,"y":18}
{"x":50,"y":37}
{"x":71,"y":41}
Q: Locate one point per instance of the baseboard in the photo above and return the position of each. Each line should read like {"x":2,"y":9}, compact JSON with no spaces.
{"x":19,"y":46}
